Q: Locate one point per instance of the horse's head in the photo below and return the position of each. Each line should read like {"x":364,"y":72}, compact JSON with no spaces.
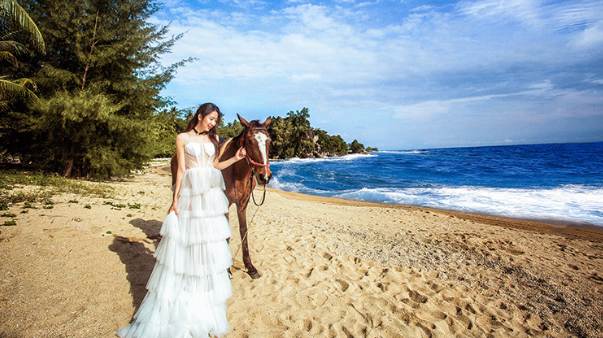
{"x":256,"y":141}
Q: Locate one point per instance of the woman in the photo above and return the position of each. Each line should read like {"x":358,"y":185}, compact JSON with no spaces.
{"x":189,"y":285}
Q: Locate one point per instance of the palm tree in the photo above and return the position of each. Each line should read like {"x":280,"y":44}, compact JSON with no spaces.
{"x":14,"y":20}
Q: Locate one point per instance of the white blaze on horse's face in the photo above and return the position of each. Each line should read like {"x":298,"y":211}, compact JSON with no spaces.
{"x":262,"y":138}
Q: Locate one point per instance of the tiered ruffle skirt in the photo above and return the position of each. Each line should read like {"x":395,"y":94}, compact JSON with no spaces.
{"x":189,"y":285}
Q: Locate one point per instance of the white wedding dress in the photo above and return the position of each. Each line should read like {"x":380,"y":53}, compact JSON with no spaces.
{"x":189,"y":285}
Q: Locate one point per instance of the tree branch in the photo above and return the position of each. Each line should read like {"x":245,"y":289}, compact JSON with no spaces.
{"x":91,"y":50}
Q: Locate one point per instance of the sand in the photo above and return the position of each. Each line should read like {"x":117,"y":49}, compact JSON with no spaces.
{"x":330,"y":268}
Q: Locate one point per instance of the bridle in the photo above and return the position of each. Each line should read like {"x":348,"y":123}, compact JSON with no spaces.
{"x":248,"y":158}
{"x":251,"y":162}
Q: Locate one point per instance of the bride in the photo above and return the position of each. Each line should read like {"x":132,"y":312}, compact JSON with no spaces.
{"x":189,"y":285}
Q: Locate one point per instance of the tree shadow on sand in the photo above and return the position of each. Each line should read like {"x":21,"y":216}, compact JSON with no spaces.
{"x":137,"y":258}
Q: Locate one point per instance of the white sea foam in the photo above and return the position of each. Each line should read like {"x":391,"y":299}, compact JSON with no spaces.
{"x":404,"y":152}
{"x":350,"y":157}
{"x":570,"y":203}
{"x":275,"y":183}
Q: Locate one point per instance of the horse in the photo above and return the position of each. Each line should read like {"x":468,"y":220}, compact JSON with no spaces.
{"x":239,"y":177}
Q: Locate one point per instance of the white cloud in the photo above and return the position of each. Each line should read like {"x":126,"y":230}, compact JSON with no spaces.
{"x":422,"y":8}
{"x":306,"y":76}
{"x":523,"y":10}
{"x":590,"y":38}
{"x":434,"y":108}
{"x":367,"y":3}
{"x":424,"y":66}
{"x":313,"y":18}
{"x":536,"y":14}
{"x":424,"y":110}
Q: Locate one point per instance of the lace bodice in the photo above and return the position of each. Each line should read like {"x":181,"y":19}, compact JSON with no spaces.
{"x":198,"y":155}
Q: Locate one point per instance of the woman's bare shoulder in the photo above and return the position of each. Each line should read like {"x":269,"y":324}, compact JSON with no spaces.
{"x":181,"y":138}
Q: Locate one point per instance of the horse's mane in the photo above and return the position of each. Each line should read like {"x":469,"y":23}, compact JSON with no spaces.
{"x":237,"y":139}
{"x":252,"y":124}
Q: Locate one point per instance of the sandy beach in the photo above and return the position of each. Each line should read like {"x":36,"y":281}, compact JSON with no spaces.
{"x":330,"y":268}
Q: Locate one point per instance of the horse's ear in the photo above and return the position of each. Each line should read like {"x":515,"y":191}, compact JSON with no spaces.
{"x":243,"y":121}
{"x":267,"y":122}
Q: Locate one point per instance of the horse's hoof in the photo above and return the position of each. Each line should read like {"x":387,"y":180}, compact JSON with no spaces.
{"x":254,"y":275}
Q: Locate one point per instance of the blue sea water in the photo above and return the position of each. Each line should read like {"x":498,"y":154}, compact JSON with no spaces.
{"x":561,"y":182}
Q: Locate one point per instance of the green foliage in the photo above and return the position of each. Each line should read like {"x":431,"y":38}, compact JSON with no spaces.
{"x":169,"y":124}
{"x":47,"y":186}
{"x":333,"y":144}
{"x":301,"y":132}
{"x":99,"y":85}
{"x":14,"y":19}
{"x":356,"y":147}
{"x":16,"y":26}
{"x":230,"y":130}
{"x":84,"y":135}
{"x":293,"y":136}
{"x":280,"y":131}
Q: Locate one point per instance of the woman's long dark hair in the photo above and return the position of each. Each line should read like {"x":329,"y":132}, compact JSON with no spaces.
{"x":204,"y":110}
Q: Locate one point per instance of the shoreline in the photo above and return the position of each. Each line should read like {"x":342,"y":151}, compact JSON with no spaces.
{"x":576,"y":229}
{"x":570,"y":229}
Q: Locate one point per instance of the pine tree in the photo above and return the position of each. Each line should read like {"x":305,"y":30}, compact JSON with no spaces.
{"x":99,"y":86}
{"x":170,"y":123}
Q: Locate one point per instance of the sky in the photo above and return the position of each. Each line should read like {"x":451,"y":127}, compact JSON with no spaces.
{"x":397,"y":74}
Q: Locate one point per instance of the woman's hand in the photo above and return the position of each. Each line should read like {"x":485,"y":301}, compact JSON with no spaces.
{"x":241,"y":153}
{"x":173,"y":208}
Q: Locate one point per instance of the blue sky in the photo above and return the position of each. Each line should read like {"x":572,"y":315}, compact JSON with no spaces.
{"x":398,"y":74}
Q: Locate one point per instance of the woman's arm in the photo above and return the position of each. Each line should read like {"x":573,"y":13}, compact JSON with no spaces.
{"x":227,"y":163}
{"x":180,"y":173}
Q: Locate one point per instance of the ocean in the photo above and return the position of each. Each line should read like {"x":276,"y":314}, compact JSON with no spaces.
{"x":548,"y":182}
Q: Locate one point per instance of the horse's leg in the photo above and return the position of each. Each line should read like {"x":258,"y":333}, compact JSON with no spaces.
{"x":251,"y":270}
{"x":244,"y":194}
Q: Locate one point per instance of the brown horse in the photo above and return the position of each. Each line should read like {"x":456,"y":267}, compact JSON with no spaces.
{"x":239,"y":177}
